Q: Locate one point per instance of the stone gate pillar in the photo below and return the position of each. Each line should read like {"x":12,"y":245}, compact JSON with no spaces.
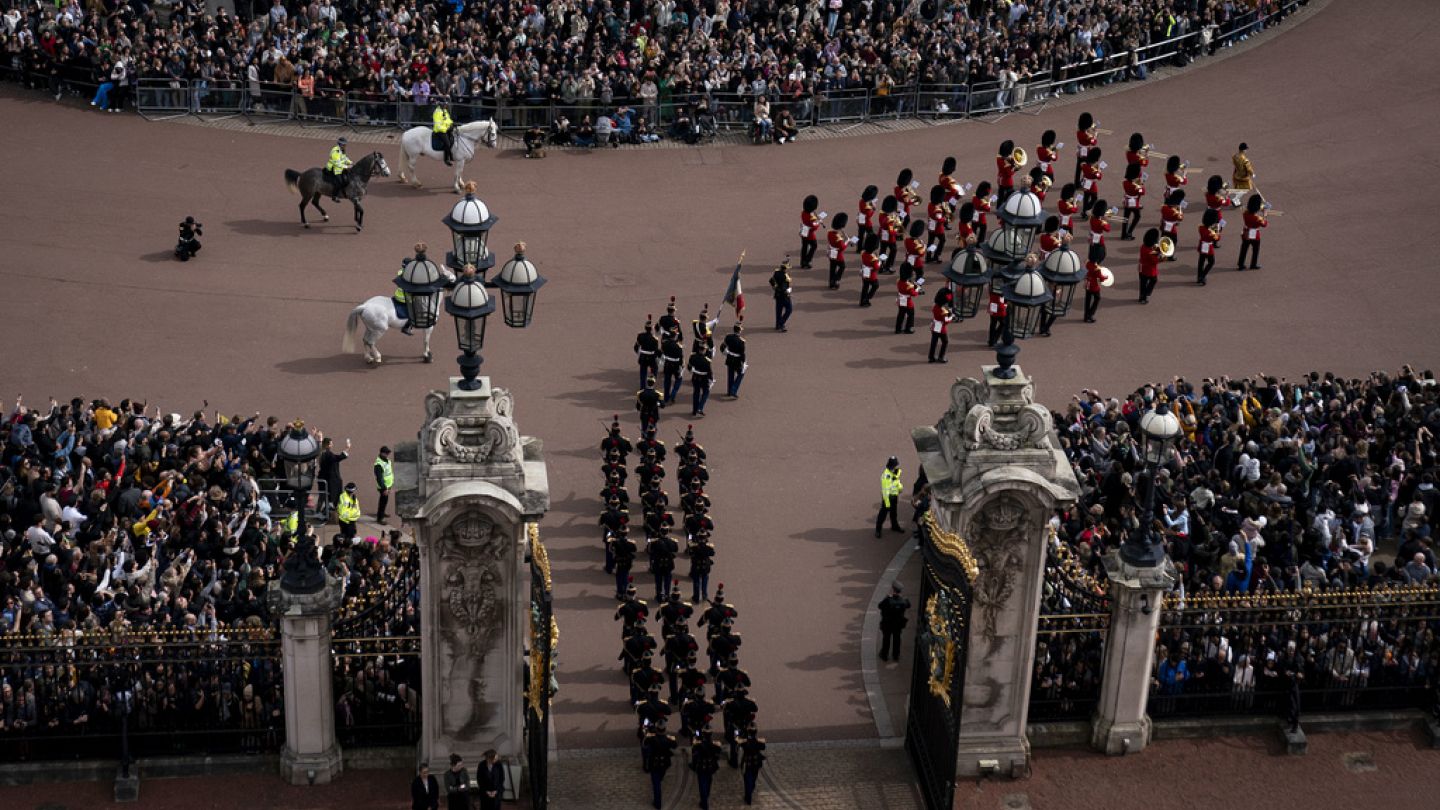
{"x":1120,"y":725}
{"x":468,"y":488}
{"x":310,"y":755}
{"x":997,"y":473}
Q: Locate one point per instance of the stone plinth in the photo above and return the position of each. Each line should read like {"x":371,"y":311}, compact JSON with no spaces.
{"x":467,"y":489}
{"x":997,"y":473}
{"x":1121,"y":725}
{"x":310,"y":755}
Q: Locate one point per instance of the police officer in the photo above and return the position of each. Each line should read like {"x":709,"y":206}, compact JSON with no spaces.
{"x":337,"y":169}
{"x":735,"y":363}
{"x":780,"y":285}
{"x":892,"y":622}
{"x":648,"y":402}
{"x":705,"y":761}
{"x":672,"y":355}
{"x":384,"y":483}
{"x":890,"y":490}
{"x":752,"y":758}
{"x":647,"y":352}
{"x":701,"y":378}
{"x":347,"y":511}
{"x":658,"y":749}
{"x":441,"y":124}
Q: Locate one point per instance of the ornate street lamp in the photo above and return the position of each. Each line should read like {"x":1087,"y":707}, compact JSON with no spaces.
{"x":1025,"y":301}
{"x":298,"y":450}
{"x":518,"y":282}
{"x":1159,"y":428}
{"x":469,"y":304}
{"x":969,"y":273}
{"x":422,"y":283}
{"x":470,"y":222}
{"x":1020,"y":219}
{"x":1064,"y":270}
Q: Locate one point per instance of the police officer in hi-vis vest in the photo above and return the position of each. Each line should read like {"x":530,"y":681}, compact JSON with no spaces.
{"x":384,"y":482}
{"x":347,"y":511}
{"x":891,"y":488}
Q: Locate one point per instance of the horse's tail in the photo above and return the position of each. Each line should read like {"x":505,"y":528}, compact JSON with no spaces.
{"x":352,"y":324}
{"x":292,"y":180}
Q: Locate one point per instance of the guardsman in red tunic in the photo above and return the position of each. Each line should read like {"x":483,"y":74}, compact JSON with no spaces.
{"x":1099,"y":226}
{"x":1134,"y":190}
{"x":1217,"y":198}
{"x":965,"y":224}
{"x":890,"y":230}
{"x":1092,"y":171}
{"x":1172,"y":213}
{"x":1094,"y":280}
{"x":1250,"y":237}
{"x":838,"y":241}
{"x":947,"y":181}
{"x":1069,"y":207}
{"x":1174,"y":176}
{"x":869,"y":268}
{"x":1149,"y":264}
{"x":915,"y":248}
{"x":1086,"y":138}
{"x":1050,"y":237}
{"x":940,"y":318}
{"x":1210,"y":227}
{"x":937,"y":214}
{"x":866,"y":214}
{"x":999,"y":310}
{"x":905,"y":193}
{"x":809,"y":230}
{"x":1039,"y":184}
{"x":905,"y":293}
{"x":1139,"y":152}
{"x":1005,"y":170}
{"x":1047,"y":153}
{"x":981,"y":202}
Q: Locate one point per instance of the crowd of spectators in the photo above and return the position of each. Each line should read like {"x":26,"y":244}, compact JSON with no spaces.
{"x":649,"y":54}
{"x":1313,"y":487}
{"x":135,"y":552}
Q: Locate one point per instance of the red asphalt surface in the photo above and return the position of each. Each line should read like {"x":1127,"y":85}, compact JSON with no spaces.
{"x":1339,"y":112}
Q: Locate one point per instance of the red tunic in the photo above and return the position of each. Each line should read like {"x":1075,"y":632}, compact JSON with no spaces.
{"x":982,"y":206}
{"x":1084,"y":140}
{"x":1068,"y":210}
{"x":998,"y":307}
{"x":1090,"y":176}
{"x":1136,"y":157}
{"x":1099,"y":226}
{"x":1134,"y":192}
{"x":952,"y":188}
{"x":1173,"y":182}
{"x":915,"y":253}
{"x":837,"y":242}
{"x":889,"y":228}
{"x":937,"y":216}
{"x":1149,"y":262}
{"x":867,"y":214}
{"x":1049,"y":243}
{"x":1253,"y":224}
{"x":869,"y":266}
{"x":905,"y":294}
{"x":1046,"y":156}
{"x":1092,"y":277}
{"x":1209,"y":240}
{"x":963,"y":231}
{"x":1216,"y":202}
{"x":905,"y":197}
{"x":1170,"y":216}
{"x":1004,"y":171}
{"x":1038,"y":192}
{"x":940,"y":319}
{"x":809,"y":225}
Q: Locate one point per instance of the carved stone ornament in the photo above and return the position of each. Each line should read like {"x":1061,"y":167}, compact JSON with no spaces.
{"x":471,"y":617}
{"x":980,"y":420}
{"x":471,"y":431}
{"x":999,"y":530}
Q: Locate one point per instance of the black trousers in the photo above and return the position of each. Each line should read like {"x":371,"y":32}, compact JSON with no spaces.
{"x":1253,"y":247}
{"x":867,"y":291}
{"x":837,"y":269}
{"x":1047,"y":320}
{"x":1092,"y":304}
{"x":1088,"y":201}
{"x":1132,"y":221}
{"x":1147,"y":286}
{"x":904,"y":319}
{"x":383,"y":505}
{"x":1204,"y":266}
{"x":941,"y":340}
{"x":892,"y":511}
{"x":889,"y":644}
{"x":980,"y":229}
{"x":937,"y":238}
{"x":997,"y":328}
{"x":863,"y":233}
{"x":807,"y":252}
{"x":889,"y":249}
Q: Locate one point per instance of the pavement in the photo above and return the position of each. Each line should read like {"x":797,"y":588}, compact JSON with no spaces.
{"x":97,"y":307}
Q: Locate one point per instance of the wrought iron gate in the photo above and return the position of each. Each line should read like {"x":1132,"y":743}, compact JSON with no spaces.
{"x":937,"y":686}
{"x":539,"y":673}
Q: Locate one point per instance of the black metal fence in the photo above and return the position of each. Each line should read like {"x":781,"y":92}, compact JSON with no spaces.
{"x":1336,"y":651}
{"x":1070,"y":645}
{"x":377,"y":694}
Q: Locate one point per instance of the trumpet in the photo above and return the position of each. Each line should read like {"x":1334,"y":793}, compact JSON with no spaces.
{"x":1019,"y":157}
{"x":1167,"y":247}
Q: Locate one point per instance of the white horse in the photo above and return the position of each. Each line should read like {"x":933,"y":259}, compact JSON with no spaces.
{"x":416,"y":142}
{"x":377,"y":315}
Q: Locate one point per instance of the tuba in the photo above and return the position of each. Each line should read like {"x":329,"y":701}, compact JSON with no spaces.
{"x":1107,"y":278}
{"x":1019,"y":157}
{"x":1167,"y":247}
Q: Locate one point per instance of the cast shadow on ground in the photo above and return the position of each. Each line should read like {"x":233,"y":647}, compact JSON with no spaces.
{"x":614,"y":389}
{"x":292,"y":227}
{"x":336,"y":363}
{"x":160,"y":257}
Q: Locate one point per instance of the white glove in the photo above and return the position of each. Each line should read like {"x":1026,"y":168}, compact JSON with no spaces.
{"x":1104,"y":165}
{"x":883,"y":256}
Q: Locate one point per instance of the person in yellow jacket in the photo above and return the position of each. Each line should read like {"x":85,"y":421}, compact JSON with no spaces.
{"x":347,"y":511}
{"x":442,"y":125}
{"x":891,"y":487}
{"x":384,"y":483}
{"x":337,"y":167}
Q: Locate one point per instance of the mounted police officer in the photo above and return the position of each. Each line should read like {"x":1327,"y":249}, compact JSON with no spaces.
{"x":338,"y":169}
{"x":443,"y":126}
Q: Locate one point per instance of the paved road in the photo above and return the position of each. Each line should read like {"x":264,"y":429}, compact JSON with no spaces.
{"x":96,"y":305}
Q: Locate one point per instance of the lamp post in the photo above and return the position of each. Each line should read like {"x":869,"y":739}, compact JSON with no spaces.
{"x":1020,"y":219}
{"x":470,"y":222}
{"x":518,"y":282}
{"x":1026,"y":299}
{"x":1158,"y":430}
{"x":303,"y":574}
{"x":469,"y":304}
{"x":1064,"y":270}
{"x":969,"y":272}
{"x":422,"y":283}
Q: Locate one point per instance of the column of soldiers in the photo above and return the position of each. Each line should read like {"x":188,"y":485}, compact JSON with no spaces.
{"x":899,"y":229}
{"x":696,"y":690}
{"x":660,"y":355}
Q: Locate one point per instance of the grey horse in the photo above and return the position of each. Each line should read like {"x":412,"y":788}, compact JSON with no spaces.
{"x":315,"y":183}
